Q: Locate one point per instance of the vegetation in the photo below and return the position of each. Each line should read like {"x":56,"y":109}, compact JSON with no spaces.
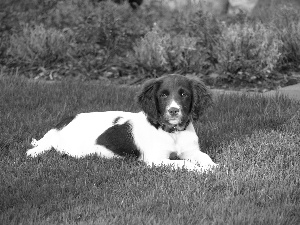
{"x":255,"y":141}
{"x":100,"y":39}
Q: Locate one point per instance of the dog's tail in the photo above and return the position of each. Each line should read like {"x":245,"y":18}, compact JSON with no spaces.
{"x":49,"y":141}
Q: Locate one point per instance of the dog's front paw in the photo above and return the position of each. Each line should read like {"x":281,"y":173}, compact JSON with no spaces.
{"x":32,"y":152}
{"x":34,"y":142}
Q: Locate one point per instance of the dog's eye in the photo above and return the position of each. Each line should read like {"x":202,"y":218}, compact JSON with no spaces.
{"x":183,"y":94}
{"x":163,"y":95}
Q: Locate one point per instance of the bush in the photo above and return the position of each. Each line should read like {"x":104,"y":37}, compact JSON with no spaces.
{"x":37,"y":45}
{"x":159,"y":52}
{"x":87,"y":39}
{"x":287,"y":23}
{"x":111,"y":26}
{"x":105,"y":37}
{"x":290,"y":38}
{"x":248,"y":47}
{"x":91,"y":37}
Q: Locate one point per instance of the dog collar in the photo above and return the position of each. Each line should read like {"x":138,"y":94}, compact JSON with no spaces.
{"x":173,"y":129}
{"x":168,"y":128}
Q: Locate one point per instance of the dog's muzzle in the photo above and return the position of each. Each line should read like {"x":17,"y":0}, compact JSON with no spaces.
{"x":173,"y":116}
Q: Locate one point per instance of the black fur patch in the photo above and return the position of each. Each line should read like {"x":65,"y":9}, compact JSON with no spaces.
{"x":169,"y":129}
{"x":64,"y":122}
{"x":119,"y":140}
{"x":116,"y":120}
{"x":174,"y":156}
{"x":154,"y":124}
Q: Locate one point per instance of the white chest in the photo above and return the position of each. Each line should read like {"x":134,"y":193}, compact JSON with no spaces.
{"x":158,"y":143}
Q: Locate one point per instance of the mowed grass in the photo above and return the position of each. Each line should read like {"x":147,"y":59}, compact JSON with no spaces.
{"x":255,"y":140}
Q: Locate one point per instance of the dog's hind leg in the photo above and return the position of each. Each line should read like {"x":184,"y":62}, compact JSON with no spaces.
{"x":49,"y":141}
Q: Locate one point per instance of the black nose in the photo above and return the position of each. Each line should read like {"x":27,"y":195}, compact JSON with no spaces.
{"x":173,"y":111}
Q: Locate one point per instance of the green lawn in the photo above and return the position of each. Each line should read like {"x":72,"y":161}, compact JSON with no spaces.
{"x":255,"y":140}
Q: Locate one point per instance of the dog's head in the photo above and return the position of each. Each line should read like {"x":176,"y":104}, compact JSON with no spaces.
{"x":172,"y":101}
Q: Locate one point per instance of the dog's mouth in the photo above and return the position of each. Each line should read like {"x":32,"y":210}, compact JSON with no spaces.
{"x":172,"y":124}
{"x":174,"y":121}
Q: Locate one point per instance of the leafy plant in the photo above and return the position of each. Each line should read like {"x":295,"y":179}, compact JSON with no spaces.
{"x":159,"y":52}
{"x":248,"y":47}
{"x":287,"y":23}
{"x":37,"y":45}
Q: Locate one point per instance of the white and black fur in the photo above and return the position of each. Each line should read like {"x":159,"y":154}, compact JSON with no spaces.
{"x":163,"y":128}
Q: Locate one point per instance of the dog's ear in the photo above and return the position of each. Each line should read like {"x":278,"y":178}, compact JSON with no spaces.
{"x":146,"y":99}
{"x":202,"y":97}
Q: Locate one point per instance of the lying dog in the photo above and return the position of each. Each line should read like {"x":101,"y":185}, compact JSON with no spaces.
{"x":163,"y":128}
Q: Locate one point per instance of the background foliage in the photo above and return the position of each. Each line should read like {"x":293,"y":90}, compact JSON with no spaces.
{"x":103,"y":40}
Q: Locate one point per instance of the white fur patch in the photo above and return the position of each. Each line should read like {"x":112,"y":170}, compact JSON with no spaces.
{"x":173,"y":120}
{"x":173,"y":104}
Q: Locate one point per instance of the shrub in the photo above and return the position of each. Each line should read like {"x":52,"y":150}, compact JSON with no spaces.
{"x":109,"y":25}
{"x":291,"y":46}
{"x":268,"y":10}
{"x":105,"y":36}
{"x":286,"y":20}
{"x":37,"y":45}
{"x":87,"y":39}
{"x":150,"y":51}
{"x":248,"y":47}
{"x":90,"y":37}
{"x":159,"y":52}
{"x":208,"y":30}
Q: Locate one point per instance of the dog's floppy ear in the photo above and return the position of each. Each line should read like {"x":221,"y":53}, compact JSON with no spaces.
{"x":202,"y":97}
{"x":146,"y":99}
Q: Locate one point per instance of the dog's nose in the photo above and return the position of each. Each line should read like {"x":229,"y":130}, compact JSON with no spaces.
{"x":173,"y":111}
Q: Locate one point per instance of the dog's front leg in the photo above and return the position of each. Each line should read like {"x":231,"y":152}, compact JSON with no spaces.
{"x":199,"y":158}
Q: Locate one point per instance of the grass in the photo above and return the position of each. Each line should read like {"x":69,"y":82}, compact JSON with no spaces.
{"x":254,"y":139}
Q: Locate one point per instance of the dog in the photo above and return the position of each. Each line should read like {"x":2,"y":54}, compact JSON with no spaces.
{"x":163,"y":128}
